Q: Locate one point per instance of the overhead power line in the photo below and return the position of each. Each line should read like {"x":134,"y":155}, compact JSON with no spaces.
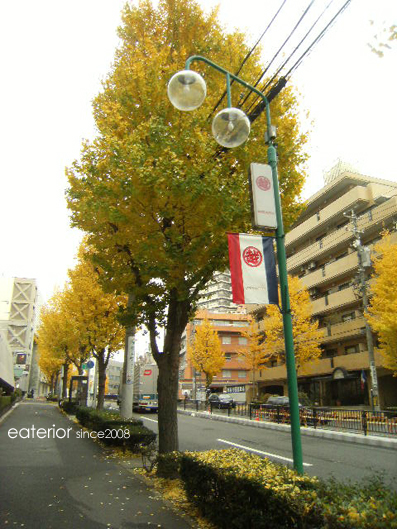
{"x":278,"y":51}
{"x":248,"y":56}
{"x":275,"y":90}
{"x":276,"y":74}
{"x":317,"y":39}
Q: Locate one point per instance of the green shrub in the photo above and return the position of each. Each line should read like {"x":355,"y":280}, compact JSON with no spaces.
{"x":253,"y":492}
{"x":16,"y":394}
{"x":304,"y":399}
{"x":110,"y":422}
{"x":237,"y":490}
{"x":69,"y":407}
{"x":5,"y":402}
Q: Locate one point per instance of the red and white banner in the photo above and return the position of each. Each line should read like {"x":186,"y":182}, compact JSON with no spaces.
{"x":253,"y":269}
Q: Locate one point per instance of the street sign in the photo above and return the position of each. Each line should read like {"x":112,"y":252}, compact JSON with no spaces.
{"x":88,"y":365}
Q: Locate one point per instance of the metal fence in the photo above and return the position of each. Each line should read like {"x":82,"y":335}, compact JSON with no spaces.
{"x":356,"y":421}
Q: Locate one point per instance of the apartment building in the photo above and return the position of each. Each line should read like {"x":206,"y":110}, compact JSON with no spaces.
{"x":321,"y":251}
{"x":234,"y":377}
{"x":217,"y":296}
{"x":113,"y":373}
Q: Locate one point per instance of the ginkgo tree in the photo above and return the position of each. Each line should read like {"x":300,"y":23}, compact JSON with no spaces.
{"x":254,"y":354}
{"x":95,"y":314}
{"x":382,"y":314}
{"x":154,"y":192}
{"x":306,"y":334}
{"x":57,"y":338}
{"x":205,"y":351}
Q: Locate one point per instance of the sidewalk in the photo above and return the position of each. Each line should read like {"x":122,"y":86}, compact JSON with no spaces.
{"x":69,"y":482}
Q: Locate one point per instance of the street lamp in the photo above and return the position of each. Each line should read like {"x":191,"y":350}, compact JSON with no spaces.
{"x":231,"y":127}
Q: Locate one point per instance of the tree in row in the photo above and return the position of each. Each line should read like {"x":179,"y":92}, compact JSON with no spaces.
{"x":80,"y":322}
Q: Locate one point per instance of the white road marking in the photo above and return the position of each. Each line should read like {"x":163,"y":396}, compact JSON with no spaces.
{"x":260,"y":452}
{"x":146,"y":419}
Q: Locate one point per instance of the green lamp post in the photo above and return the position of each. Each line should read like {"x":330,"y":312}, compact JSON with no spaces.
{"x":231,"y":128}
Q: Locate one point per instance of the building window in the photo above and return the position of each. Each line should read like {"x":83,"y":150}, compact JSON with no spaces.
{"x":226,"y":339}
{"x":349,"y":316}
{"x":242,"y":340}
{"x":228,"y":356}
{"x":330,"y":353}
{"x":241,"y":374}
{"x":343,"y":286}
{"x":226,"y":373}
{"x":350,"y":349}
{"x":318,"y":215}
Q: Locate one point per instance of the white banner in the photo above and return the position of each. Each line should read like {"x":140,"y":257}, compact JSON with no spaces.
{"x":262,"y":195}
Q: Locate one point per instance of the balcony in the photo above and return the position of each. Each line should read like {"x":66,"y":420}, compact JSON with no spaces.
{"x":327,"y":245}
{"x":359,"y":196}
{"x":342,"y":331}
{"x":334,"y":301}
{"x":341,"y":238}
{"x":324,"y":366}
{"x":331,"y":271}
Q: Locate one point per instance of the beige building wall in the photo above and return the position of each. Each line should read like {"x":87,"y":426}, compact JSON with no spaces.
{"x":320,"y":251}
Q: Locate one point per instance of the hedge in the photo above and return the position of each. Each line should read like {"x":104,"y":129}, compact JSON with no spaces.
{"x":5,"y":401}
{"x":103,"y":421}
{"x":237,"y":490}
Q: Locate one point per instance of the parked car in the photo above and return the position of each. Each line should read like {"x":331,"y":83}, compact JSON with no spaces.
{"x":221,"y":400}
{"x":279,"y":401}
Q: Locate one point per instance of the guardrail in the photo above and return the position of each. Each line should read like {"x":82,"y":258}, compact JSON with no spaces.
{"x":358,"y":421}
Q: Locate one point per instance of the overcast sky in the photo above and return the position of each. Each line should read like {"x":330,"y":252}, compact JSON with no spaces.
{"x":55,"y":53}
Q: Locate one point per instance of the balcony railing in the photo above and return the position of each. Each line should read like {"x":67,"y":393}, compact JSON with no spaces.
{"x":329,"y":302}
{"x":352,"y":197}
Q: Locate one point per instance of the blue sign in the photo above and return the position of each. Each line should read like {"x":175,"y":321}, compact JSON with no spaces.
{"x":90,"y":364}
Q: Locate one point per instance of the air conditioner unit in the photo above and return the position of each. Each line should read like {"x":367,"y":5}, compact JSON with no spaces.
{"x":312,"y":265}
{"x":313,"y":291}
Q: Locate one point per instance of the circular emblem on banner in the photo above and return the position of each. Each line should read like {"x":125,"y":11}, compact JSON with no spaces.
{"x":252,"y":256}
{"x":263,"y":183}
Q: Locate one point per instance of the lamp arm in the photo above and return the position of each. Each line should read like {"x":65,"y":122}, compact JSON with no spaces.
{"x":237,"y":79}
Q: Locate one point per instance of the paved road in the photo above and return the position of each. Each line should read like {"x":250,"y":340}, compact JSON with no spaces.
{"x":52,"y":483}
{"x":322,"y":457}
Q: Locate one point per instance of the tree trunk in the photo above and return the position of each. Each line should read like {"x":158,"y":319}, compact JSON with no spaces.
{"x":101,"y":379}
{"x":168,"y":362}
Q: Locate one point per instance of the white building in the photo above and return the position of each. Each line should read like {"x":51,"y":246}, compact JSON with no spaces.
{"x":18,"y":314}
{"x":217,"y":296}
{"x":6,"y":364}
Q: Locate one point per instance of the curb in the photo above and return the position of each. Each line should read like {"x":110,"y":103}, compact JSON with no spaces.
{"x":370,"y":440}
{"x":9,"y":411}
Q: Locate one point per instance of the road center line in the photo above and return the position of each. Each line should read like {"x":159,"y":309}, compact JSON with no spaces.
{"x":146,"y":419}
{"x":260,"y":452}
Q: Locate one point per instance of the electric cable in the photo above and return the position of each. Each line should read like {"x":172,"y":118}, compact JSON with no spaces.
{"x":283,"y":80}
{"x":278,"y":52}
{"x":247,"y":57}
{"x":317,"y":39}
{"x":275,"y":75}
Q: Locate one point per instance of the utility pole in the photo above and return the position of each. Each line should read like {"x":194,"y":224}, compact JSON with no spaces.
{"x":127,"y":385}
{"x":364,"y":262}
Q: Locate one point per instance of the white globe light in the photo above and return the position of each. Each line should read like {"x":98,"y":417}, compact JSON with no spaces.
{"x":186,"y":90}
{"x":231,"y":127}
